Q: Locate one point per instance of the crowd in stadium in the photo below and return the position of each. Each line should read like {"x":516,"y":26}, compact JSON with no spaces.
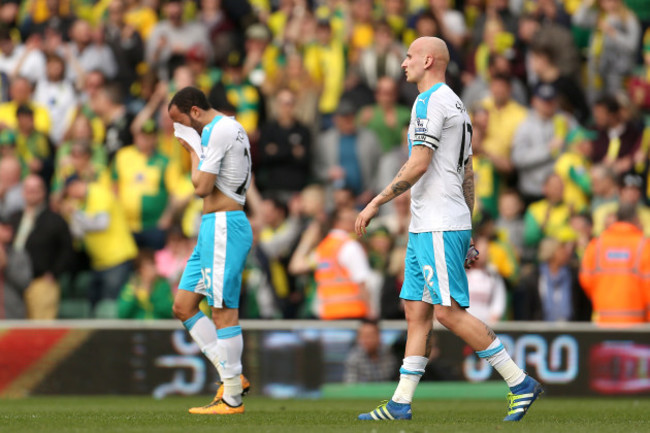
{"x":97,"y":210}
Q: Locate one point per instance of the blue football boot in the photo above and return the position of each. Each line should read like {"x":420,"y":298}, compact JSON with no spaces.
{"x":522,"y":398}
{"x":387,"y":411}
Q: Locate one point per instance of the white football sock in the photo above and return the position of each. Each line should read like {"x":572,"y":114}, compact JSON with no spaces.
{"x":497,"y":357}
{"x":204,"y":333}
{"x":230,"y":345}
{"x":411,"y":372}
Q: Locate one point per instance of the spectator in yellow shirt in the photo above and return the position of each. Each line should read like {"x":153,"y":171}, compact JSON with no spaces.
{"x":20,"y":93}
{"x":573,"y":167}
{"x":145,"y":181}
{"x":97,"y":219}
{"x":325,"y":62}
{"x":142,"y":17}
{"x":631,"y":193}
{"x":505,"y":115}
{"x":548,"y":216}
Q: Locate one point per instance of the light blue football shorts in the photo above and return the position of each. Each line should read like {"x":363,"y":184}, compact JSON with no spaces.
{"x":435,"y":268}
{"x":215,"y":267}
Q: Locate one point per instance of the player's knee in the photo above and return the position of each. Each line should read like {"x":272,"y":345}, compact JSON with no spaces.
{"x":446,"y":317}
{"x":225,"y":317}
{"x":415,"y":321}
{"x":182,"y":312}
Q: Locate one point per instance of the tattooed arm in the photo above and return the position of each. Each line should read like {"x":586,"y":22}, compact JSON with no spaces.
{"x":409,"y":174}
{"x":468,"y":193}
{"x":468,"y":186}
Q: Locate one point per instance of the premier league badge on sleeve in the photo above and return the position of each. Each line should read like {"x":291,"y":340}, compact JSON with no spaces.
{"x":421,"y":126}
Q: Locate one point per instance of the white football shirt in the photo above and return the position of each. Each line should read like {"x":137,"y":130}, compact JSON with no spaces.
{"x":226,"y":153}
{"x":440,"y":121}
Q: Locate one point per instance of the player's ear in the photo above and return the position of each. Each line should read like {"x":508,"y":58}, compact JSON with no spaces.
{"x":428,"y":61}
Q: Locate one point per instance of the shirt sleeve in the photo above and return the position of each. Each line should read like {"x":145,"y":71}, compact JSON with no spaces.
{"x":353,"y":258}
{"x":427,"y":124}
{"x":219,"y":141}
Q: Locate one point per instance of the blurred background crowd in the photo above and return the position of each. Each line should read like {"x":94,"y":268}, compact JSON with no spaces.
{"x":97,"y":208}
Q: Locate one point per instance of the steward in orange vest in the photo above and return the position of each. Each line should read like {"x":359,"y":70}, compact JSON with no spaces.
{"x":338,"y":296}
{"x":340,"y":267}
{"x":615,"y":272}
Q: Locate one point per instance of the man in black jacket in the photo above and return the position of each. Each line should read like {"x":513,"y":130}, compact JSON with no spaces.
{"x":45,"y":236}
{"x":284,"y":157}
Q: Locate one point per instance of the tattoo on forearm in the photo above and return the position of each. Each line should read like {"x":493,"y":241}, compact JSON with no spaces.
{"x":396,"y":188}
{"x":468,"y":187}
{"x":391,"y":191}
{"x":429,"y":344}
{"x":490,"y":332}
{"x":400,"y":187}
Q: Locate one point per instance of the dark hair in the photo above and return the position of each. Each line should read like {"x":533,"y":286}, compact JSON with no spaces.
{"x":54,"y":57}
{"x":337,"y":214}
{"x":626,"y":212}
{"x":175,"y":231}
{"x":610,"y":103}
{"x":145,"y":255}
{"x":543,"y":50}
{"x":509,"y":191}
{"x":366,"y":321}
{"x":278,"y":203}
{"x":585,"y":216}
{"x":502,"y":77}
{"x":24,"y":109}
{"x":493,"y":57}
{"x":113,"y":91}
{"x":384,"y":25}
{"x":427,"y":15}
{"x":187,"y":98}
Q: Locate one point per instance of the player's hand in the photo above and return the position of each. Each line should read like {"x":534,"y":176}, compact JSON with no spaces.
{"x":364,"y":218}
{"x":185,"y":144}
{"x":471,"y":257}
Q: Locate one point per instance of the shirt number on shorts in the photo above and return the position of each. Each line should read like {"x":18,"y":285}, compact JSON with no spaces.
{"x":205,"y":275}
{"x":428,"y":275}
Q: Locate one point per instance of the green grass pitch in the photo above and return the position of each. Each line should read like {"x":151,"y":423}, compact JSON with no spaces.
{"x":143,"y":414}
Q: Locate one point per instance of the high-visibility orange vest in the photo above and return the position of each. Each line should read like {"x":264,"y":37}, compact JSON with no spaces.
{"x":614,"y":274}
{"x":338,"y":296}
